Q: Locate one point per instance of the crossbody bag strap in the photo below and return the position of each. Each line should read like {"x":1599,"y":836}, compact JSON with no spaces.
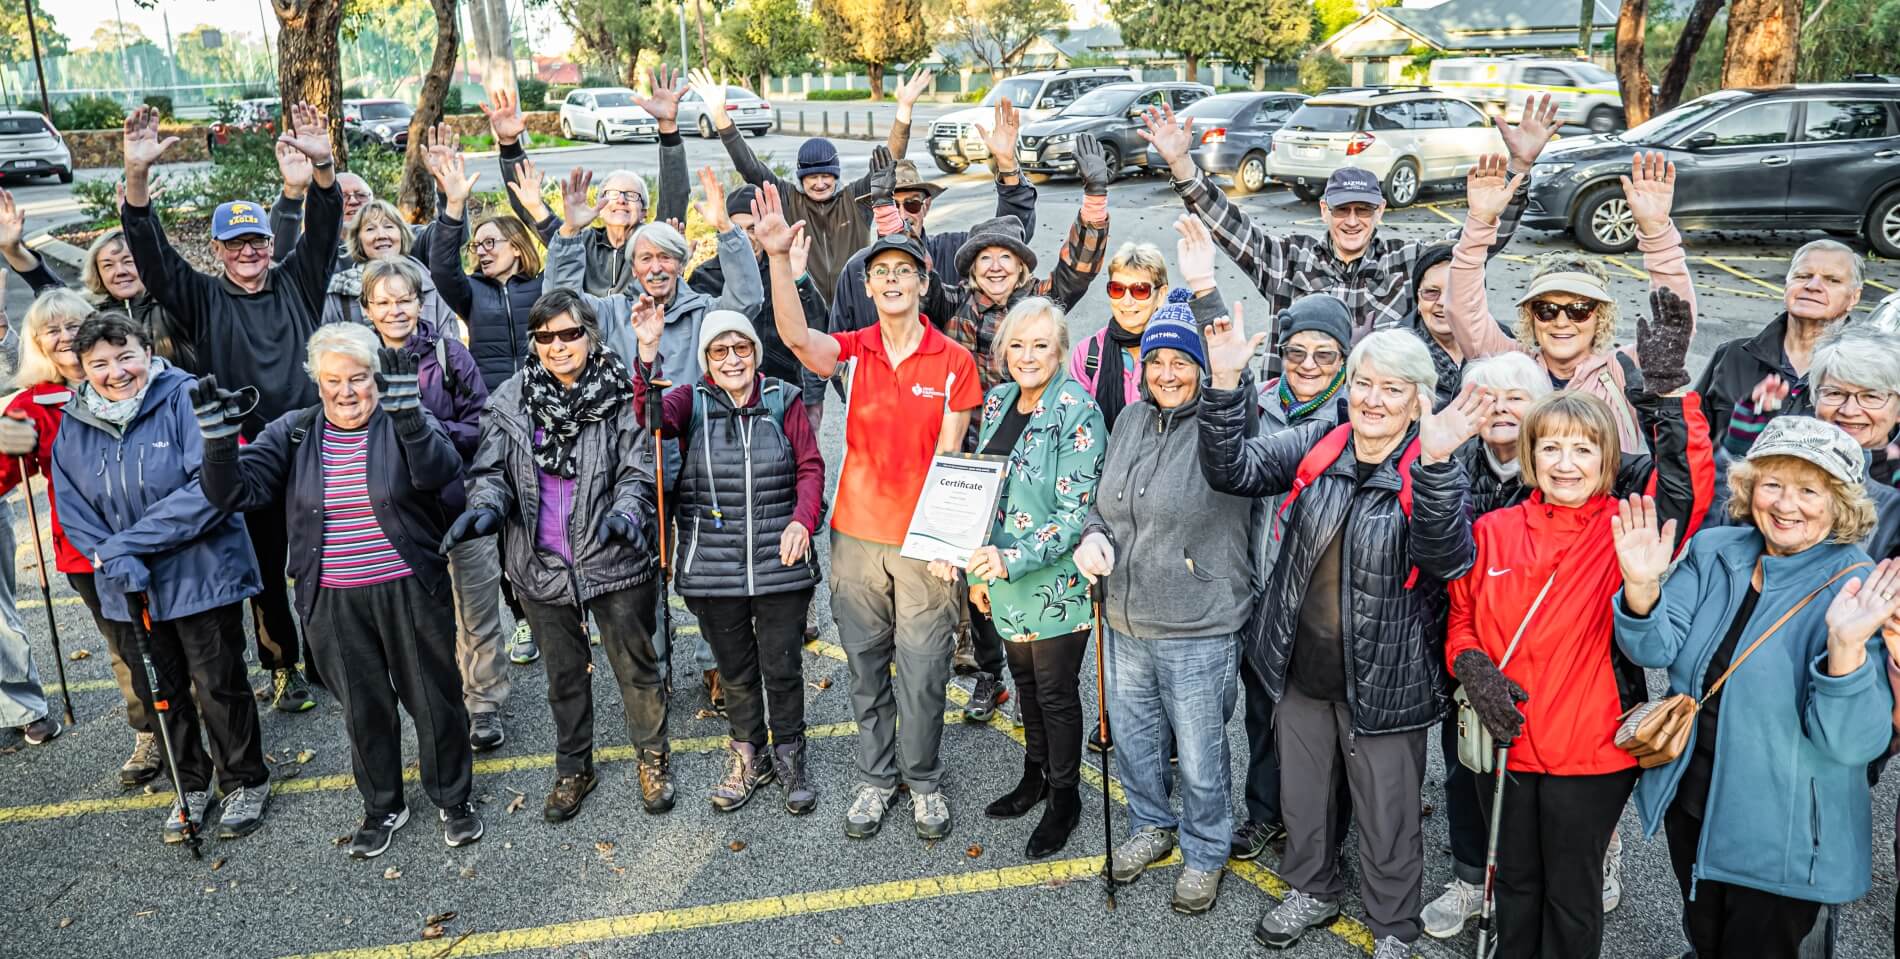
{"x":1732,"y":667}
{"x":1521,"y":627}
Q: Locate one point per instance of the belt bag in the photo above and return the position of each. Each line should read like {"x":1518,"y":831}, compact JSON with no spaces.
{"x":1657,"y":732}
{"x":1477,"y":751}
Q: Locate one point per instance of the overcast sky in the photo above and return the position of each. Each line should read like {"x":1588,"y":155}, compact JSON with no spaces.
{"x":78,"y":18}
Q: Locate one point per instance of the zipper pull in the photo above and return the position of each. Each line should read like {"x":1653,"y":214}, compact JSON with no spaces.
{"x":719,"y":519}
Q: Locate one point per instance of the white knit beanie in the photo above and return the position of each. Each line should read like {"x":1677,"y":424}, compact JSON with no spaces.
{"x":717,"y":323}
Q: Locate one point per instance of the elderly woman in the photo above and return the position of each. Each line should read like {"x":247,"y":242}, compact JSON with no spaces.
{"x":1107,"y":363}
{"x":1349,"y":645}
{"x":1767,"y":808}
{"x":126,"y":473}
{"x":751,"y":492}
{"x":495,"y":298}
{"x":1534,"y":628}
{"x":378,"y":232}
{"x":363,"y":475}
{"x":564,"y":468}
{"x":1177,"y":569}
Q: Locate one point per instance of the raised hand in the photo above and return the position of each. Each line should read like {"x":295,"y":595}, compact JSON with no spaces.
{"x":1095,"y":557}
{"x":883,"y":174}
{"x":668,"y":86}
{"x":452,"y":178}
{"x":1650,"y":189}
{"x":1092,"y":166}
{"x":800,"y":256}
{"x":577,"y":211}
{"x":1169,"y":135}
{"x":295,"y":168}
{"x":12,"y":221}
{"x":1643,"y":549}
{"x":526,"y":187}
{"x":775,"y":236}
{"x":1662,"y":344}
{"x":1769,"y":394}
{"x":218,"y":410}
{"x":1489,"y":187}
{"x":309,"y":132}
{"x":1525,"y":139}
{"x":1441,"y":433}
{"x":504,"y":117}
{"x":711,"y":91}
{"x":143,"y":146}
{"x":1858,"y":610}
{"x":1194,"y":253}
{"x":1000,"y":135}
{"x":713,"y":208}
{"x":911,"y":89}
{"x":648,"y":319}
{"x":1230,"y":349}
{"x":397,"y":381}
{"x":439,"y":143}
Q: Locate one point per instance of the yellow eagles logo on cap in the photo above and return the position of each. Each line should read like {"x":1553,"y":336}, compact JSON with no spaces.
{"x":240,"y":208}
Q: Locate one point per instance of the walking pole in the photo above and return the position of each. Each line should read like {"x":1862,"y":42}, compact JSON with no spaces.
{"x":163,"y":707}
{"x":1097,"y":595}
{"x":656,"y":392}
{"x":46,"y":591}
{"x":1487,"y":945}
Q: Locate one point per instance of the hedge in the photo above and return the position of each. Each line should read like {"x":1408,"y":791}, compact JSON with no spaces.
{"x":822,"y":95}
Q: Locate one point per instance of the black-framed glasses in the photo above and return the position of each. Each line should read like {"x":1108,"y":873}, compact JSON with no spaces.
{"x":569,"y":335}
{"x":253,"y":241}
{"x":625,"y":196}
{"x":484,"y":245}
{"x":1546,"y":311}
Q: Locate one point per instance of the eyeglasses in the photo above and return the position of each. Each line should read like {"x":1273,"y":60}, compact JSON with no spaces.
{"x":358,"y":196}
{"x":253,"y":242}
{"x":612,"y":196}
{"x":1546,"y":311}
{"x":914,"y":204}
{"x":1139,"y":291}
{"x":1865,"y":399}
{"x":718,"y":352}
{"x":387,"y":304}
{"x":484,"y":245}
{"x":891,"y":272}
{"x":1297,"y":356}
{"x":1429,"y":294}
{"x":569,"y":335}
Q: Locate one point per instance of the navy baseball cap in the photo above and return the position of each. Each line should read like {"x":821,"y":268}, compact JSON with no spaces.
{"x":238,"y":218}
{"x":1353,"y":185}
{"x":902,"y":243}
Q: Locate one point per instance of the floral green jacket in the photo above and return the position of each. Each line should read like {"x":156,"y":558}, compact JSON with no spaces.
{"x":1046,"y":496}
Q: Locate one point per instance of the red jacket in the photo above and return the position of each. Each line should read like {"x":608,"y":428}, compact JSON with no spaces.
{"x":46,"y":421}
{"x":1563,"y":661}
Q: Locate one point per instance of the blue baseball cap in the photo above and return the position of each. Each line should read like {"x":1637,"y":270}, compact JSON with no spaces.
{"x":1350,"y":184}
{"x":238,"y":218}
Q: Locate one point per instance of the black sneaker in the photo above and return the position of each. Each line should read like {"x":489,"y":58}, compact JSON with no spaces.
{"x":289,"y":692}
{"x":1251,"y":839}
{"x":41,"y":731}
{"x":460,"y":825}
{"x":373,"y":839}
{"x":485,"y":732}
{"x":984,"y":699}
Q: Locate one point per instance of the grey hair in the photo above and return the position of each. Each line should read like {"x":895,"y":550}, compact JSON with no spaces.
{"x":639,"y":184}
{"x":376,"y":210}
{"x":1856,"y":267}
{"x":1510,"y":371}
{"x":1027,"y":309}
{"x":663,"y":237}
{"x":1857,"y":355}
{"x":378,"y":272}
{"x":354,"y":340}
{"x":1397,"y":353}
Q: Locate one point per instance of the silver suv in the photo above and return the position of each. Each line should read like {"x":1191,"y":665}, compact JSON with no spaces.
{"x":954,"y":142}
{"x":1408,"y":137}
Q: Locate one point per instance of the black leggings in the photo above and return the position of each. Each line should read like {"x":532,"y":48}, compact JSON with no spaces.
{"x":1047,"y":690}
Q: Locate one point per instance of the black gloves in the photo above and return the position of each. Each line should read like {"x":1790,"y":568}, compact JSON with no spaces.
{"x":883,"y":174}
{"x":618,"y":526}
{"x":219,"y":411}
{"x":1091,"y":165}
{"x":470,"y":525}
{"x":397,"y":381}
{"x":1662,"y":344}
{"x":1493,"y":695}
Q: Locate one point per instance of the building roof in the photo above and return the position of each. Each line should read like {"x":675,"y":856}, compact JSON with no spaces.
{"x":1484,"y":25}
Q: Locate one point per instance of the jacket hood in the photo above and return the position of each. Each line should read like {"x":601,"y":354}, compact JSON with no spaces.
{"x":166,"y":379}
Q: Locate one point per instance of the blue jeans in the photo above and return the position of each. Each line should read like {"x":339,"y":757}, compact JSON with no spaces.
{"x":22,"y":700}
{"x":1184,"y":690}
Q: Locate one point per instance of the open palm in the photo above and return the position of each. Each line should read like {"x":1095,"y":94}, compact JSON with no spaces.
{"x":668,"y":86}
{"x":143,"y":146}
{"x":1863,"y":606}
{"x":1441,"y":433}
{"x":1643,"y":548}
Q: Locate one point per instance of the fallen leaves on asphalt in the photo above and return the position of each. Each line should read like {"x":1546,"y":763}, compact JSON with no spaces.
{"x":79,"y":654}
{"x":304,"y":756}
{"x":736,"y":846}
{"x":974,"y":851}
{"x":392,"y":873}
{"x":65,"y":921}
{"x":515,"y":804}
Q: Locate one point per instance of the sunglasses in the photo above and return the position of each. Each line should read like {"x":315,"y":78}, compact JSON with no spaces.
{"x":569,"y":335}
{"x":1139,"y":291}
{"x":1298,"y":355}
{"x":914,"y":204}
{"x":1546,"y":312}
{"x":718,"y":353}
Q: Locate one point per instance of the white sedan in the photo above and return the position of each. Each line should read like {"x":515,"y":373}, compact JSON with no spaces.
{"x":606,"y":114}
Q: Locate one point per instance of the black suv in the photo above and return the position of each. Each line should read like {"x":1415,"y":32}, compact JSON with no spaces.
{"x":1112,"y":114}
{"x":1801,"y":157}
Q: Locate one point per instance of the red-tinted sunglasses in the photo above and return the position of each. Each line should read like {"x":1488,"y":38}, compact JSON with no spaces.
{"x":1139,"y":291}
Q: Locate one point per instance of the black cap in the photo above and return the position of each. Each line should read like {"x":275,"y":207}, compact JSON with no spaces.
{"x":902,"y":243}
{"x":740,"y":200}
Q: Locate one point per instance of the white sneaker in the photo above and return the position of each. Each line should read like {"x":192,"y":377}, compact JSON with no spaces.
{"x":1613,"y":873}
{"x":1446,"y":916}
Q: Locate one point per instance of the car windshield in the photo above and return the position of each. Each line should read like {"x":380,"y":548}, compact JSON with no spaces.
{"x":1019,"y":91}
{"x":1324,"y":119}
{"x":734,"y":94}
{"x":1668,"y":125}
{"x":1223,"y":105}
{"x":1591,"y":73}
{"x":1101,"y":102}
{"x":391,"y":110}
{"x":613,"y":98}
{"x":21,"y":126}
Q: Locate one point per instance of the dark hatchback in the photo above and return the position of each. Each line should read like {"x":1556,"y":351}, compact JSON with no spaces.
{"x":1233,"y":132}
{"x":1110,"y":113}
{"x":1802,"y":157}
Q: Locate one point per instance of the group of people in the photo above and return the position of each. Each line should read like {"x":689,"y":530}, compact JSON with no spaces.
{"x":1408,"y":499}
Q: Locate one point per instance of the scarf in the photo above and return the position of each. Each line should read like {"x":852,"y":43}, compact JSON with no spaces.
{"x":1502,"y":470}
{"x":120,"y":412}
{"x":1296,"y":411}
{"x":559,"y":413}
{"x":1111,"y":390}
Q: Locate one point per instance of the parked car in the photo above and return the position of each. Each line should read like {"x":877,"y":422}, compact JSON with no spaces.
{"x":1801,"y":157}
{"x":748,"y":111}
{"x":30,"y":146}
{"x":382,"y":122}
{"x":954,"y":142}
{"x":1112,"y":114}
{"x":606,"y":114}
{"x":1409,"y":137}
{"x":1586,"y":95}
{"x":1233,"y":132}
{"x":247,"y":116}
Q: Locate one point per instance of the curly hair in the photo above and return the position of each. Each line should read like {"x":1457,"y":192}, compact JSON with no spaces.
{"x":1607,"y":313}
{"x":1851,"y":510}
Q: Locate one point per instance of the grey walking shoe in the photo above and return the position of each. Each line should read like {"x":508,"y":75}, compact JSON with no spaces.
{"x":485,"y":731}
{"x":1446,"y":916}
{"x":984,"y":698}
{"x":1146,"y":847}
{"x":747,"y":768}
{"x":788,"y":766}
{"x":1283,"y":925}
{"x":1391,"y":948}
{"x":243,"y":810}
{"x":932,"y":814}
{"x":866,"y":815}
{"x":199,"y":802}
{"x":1195,"y":891}
{"x":289,"y":692}
{"x":144,"y":763}
{"x":521,"y":647}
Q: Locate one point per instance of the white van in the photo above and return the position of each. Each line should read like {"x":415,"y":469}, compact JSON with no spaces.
{"x":1586,"y":94}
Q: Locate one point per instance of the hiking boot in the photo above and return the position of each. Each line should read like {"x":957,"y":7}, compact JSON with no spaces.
{"x":811,"y":632}
{"x":200,"y":803}
{"x":289,"y":692}
{"x":656,"y":782}
{"x":145,"y":762}
{"x":932,"y":814}
{"x":788,"y":766}
{"x":485,"y":732}
{"x":984,"y":699}
{"x":373,"y":839}
{"x":1098,"y":745}
{"x":1020,"y":800}
{"x":1252,"y":838}
{"x":41,"y":731}
{"x":564,"y":800}
{"x":1146,"y":847}
{"x":1283,"y":925}
{"x":866,"y":815}
{"x":715,"y":693}
{"x":1612,"y":873}
{"x":460,"y":825}
{"x":1059,"y":817}
{"x":747,"y":768}
{"x":963,"y":660}
{"x":1391,"y":948}
{"x":1195,"y":891}
{"x":243,"y":810}
{"x":1446,"y":916}
{"x":521,"y":646}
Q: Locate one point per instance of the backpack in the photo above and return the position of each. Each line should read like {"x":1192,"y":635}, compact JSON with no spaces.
{"x":1326,"y":452}
{"x":301,"y":426}
{"x":774,"y":395}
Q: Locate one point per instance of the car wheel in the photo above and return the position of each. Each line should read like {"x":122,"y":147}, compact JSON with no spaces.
{"x":1251,"y":176}
{"x":600,"y":132}
{"x":1305,"y":193}
{"x":705,"y":127}
{"x":759,"y":131}
{"x":1401,"y":185}
{"x":567,"y":129}
{"x":1604,"y":120}
{"x":65,"y":174}
{"x":1603,"y":223}
{"x":1112,"y":155}
{"x":1883,"y":226}
{"x":952,"y":165}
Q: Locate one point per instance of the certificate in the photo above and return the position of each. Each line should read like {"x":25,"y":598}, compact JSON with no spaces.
{"x":956,"y":509}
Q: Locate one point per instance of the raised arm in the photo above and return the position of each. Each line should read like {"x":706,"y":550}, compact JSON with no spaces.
{"x":23,"y":261}
{"x":1650,"y":189}
{"x":815,"y":349}
{"x":1441,"y":543}
{"x":314,"y":256}
{"x":1234,"y":457}
{"x":169,"y":277}
{"x":1080,"y":260}
{"x":1014,"y":194}
{"x":1524,"y":141}
{"x":506,"y":122}
{"x":744,"y":290}
{"x":445,"y":264}
{"x":236,"y":478}
{"x":897,"y":141}
{"x":1259,"y":254}
{"x":1488,"y":190}
{"x":286,"y":212}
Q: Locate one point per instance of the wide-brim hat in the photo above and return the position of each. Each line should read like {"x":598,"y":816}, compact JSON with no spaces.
{"x":908,"y":179}
{"x":1004,"y":231}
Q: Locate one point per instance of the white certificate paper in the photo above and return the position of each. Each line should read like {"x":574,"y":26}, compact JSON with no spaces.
{"x":956,"y":509}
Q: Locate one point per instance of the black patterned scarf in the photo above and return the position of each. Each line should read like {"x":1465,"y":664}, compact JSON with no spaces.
{"x":559,"y":412}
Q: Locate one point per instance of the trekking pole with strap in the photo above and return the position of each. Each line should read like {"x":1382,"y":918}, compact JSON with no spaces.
{"x":161,"y":709}
{"x":1097,"y":599}
{"x":46,"y":590}
{"x":1487,"y":940}
{"x":656,"y":394}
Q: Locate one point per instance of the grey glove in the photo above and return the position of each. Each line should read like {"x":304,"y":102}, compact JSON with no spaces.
{"x":218,"y":410}
{"x":18,"y":437}
{"x":1091,"y":165}
{"x":397,"y":381}
{"x":883,"y":174}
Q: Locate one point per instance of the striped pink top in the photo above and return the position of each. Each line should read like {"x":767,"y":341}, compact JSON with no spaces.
{"x":355,"y":551}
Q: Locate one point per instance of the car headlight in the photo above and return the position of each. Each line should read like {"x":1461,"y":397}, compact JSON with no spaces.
{"x":382,"y":129}
{"x":1059,"y":138}
{"x":1543,"y":170}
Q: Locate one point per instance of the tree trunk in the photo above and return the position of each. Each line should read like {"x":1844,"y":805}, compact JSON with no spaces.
{"x":1586,"y":25}
{"x":699,"y":17}
{"x":1193,"y":66}
{"x":1632,"y":76}
{"x":875,"y":71}
{"x":309,"y":62}
{"x":1676,"y":75}
{"x":1764,"y":38}
{"x":1259,"y":75}
{"x":491,"y":44}
{"x":417,"y":194}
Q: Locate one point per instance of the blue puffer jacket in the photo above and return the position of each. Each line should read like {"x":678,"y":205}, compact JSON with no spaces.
{"x":135,"y":493}
{"x":496,"y":313}
{"x":1788,"y":807}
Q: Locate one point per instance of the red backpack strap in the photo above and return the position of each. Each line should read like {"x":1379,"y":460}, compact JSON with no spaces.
{"x":1406,"y":459}
{"x":1316,"y":461}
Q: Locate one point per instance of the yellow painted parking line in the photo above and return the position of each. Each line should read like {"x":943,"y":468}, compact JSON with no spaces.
{"x":1448,"y":217}
{"x":1724,"y":267}
{"x":1876,"y":284}
{"x":1617,"y":261}
{"x":57,"y":601}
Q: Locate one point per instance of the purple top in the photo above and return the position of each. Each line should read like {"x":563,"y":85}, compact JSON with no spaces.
{"x":557,"y":503}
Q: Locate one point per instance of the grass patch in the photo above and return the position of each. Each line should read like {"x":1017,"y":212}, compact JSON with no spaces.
{"x":480,"y":142}
{"x":824,"y":95}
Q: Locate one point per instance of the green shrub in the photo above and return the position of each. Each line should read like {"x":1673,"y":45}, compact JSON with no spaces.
{"x":1321,"y":70}
{"x":89,"y":113}
{"x":162,"y":104}
{"x":354,"y":91}
{"x":258,"y":93}
{"x":596,"y":80}
{"x":534,"y":93}
{"x":825,"y":95}
{"x":557,"y":94}
{"x":452,"y":100}
{"x":974,"y":96}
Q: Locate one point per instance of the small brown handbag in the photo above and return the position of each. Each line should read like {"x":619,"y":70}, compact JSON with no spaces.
{"x":1656,"y":732}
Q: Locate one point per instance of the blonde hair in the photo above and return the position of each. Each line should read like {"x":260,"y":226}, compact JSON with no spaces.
{"x":1027,"y":309}
{"x":1569,"y":412}
{"x":1851,"y":510}
{"x":516,"y":234}
{"x":380,"y":210}
{"x":36,"y":366}
{"x":1141,"y":258}
{"x":89,"y":271}
{"x":1606,"y":315}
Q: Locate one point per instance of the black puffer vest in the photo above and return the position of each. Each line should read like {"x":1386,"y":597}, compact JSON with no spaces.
{"x":737,"y":490}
